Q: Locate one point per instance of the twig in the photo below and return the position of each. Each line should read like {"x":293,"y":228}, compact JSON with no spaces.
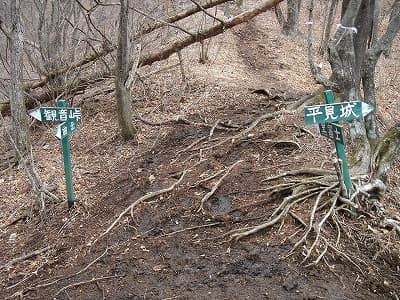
{"x":207,"y":13}
{"x":206,"y":179}
{"x":24,"y":257}
{"x":188,"y":229}
{"x":138,"y":201}
{"x":264,"y":117}
{"x":191,"y":145}
{"x":86,"y":282}
{"x":306,"y":171}
{"x":180,"y":120}
{"x":216,"y":186}
{"x":213,"y":128}
{"x":74,"y":274}
{"x":147,"y":75}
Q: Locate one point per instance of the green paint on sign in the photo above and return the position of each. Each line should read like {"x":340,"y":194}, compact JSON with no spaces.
{"x":67,"y":161}
{"x":332,"y":131}
{"x":65,"y":129}
{"x":341,"y":153}
{"x":334,"y":112}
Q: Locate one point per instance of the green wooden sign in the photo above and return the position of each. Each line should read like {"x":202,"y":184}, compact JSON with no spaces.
{"x":327,"y":117}
{"x":332,"y":131}
{"x":343,"y":111}
{"x":340,"y":152}
{"x":70,"y":116}
{"x":57,"y":114}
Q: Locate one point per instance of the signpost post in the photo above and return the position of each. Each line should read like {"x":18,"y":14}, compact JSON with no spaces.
{"x":69,"y":117}
{"x":341,"y":153}
{"x":327,"y":117}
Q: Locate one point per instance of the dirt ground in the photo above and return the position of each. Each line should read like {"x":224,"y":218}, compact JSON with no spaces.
{"x":166,"y":247}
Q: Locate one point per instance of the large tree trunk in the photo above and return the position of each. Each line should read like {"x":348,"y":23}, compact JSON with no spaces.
{"x":345,"y":65}
{"x":290,"y":25}
{"x":377,"y":47}
{"x":354,"y":54}
{"x":17,"y":103}
{"x":124,"y":103}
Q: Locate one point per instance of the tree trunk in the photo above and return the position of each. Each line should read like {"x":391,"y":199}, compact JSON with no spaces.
{"x":17,"y":104}
{"x":344,"y":60}
{"x":290,"y":25}
{"x":386,"y":154}
{"x":377,"y":47}
{"x":146,"y":59}
{"x":124,"y":103}
{"x":328,"y":27}
{"x":354,"y":54}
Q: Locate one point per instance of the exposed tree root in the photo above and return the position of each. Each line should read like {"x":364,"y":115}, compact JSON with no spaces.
{"x":323,"y":221}
{"x":93,"y":280}
{"x":246,"y":131}
{"x":138,"y":201}
{"x":216,"y":186}
{"x":24,"y":257}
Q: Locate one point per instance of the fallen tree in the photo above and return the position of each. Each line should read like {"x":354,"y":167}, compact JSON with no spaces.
{"x":81,"y":83}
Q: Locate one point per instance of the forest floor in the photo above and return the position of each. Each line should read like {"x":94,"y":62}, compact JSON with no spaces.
{"x":165,"y":247}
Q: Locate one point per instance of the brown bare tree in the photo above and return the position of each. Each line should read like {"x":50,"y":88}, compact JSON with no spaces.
{"x":15,"y":36}
{"x":122,"y":71}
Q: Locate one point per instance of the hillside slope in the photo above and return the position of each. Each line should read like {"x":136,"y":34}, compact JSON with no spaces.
{"x":165,"y":247}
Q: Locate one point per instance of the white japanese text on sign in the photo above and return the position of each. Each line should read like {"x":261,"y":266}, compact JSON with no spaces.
{"x":329,"y":113}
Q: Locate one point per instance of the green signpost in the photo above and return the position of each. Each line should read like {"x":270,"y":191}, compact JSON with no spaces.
{"x":327,"y":116}
{"x":70,"y":116}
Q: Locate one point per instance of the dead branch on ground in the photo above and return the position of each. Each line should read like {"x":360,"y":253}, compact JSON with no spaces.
{"x":180,"y":120}
{"x":244,"y":132}
{"x":163,"y":53}
{"x":189,"y":228}
{"x":24,"y":257}
{"x":86,"y":282}
{"x":47,"y":284}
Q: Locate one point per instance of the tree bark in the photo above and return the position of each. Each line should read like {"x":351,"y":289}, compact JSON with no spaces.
{"x":354,"y":54}
{"x":291,"y":23}
{"x":377,"y":47}
{"x":328,"y":27}
{"x":386,"y":153}
{"x":124,"y":103}
{"x":20,"y":126}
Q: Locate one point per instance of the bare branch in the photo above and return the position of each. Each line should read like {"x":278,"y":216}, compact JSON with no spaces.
{"x":167,"y":51}
{"x":207,"y":13}
{"x":24,"y":257}
{"x":162,"y":21}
